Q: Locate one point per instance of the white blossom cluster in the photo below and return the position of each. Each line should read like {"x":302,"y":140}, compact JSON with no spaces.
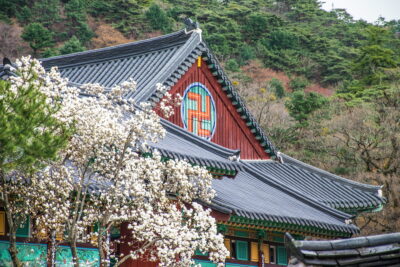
{"x":108,"y":175}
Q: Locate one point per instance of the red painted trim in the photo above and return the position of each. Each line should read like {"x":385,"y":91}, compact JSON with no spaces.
{"x":219,"y":216}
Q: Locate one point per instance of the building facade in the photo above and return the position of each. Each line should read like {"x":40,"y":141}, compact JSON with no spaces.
{"x":261,"y":192}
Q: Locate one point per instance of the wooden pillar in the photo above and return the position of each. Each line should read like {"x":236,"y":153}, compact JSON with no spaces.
{"x":261,"y":236}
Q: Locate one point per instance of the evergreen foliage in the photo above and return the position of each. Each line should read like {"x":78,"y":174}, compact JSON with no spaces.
{"x":28,"y":132}
{"x":46,"y":12}
{"x":301,"y":105}
{"x":71,"y":46}
{"x":296,"y":37}
{"x":277,"y":87}
{"x":298,"y":84}
{"x":37,"y":36}
{"x":76,"y":20}
{"x":158,"y":19}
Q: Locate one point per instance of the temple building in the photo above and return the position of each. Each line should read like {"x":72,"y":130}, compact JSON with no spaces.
{"x":261,"y":193}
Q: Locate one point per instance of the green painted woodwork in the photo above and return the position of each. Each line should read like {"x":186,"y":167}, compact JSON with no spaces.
{"x":30,"y":254}
{"x":237,"y":265}
{"x":35,"y":255}
{"x":115,"y":232}
{"x":298,"y":237}
{"x":286,"y":226}
{"x":242,"y":250}
{"x":96,"y":227}
{"x":241,"y":234}
{"x":222,"y":228}
{"x":87,"y":257}
{"x":23,"y":229}
{"x":281,"y":255}
{"x":204,"y":263}
{"x":261,"y":234}
{"x":221,"y":172}
{"x":199,"y":253}
{"x":278,"y":239}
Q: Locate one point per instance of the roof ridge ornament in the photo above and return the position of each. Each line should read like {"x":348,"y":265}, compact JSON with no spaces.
{"x":192,"y":26}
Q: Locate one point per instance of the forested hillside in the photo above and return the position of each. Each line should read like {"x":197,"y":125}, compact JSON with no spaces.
{"x":324,"y":86}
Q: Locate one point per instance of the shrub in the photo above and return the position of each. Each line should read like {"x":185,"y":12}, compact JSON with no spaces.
{"x":277,"y":87}
{"x":298,"y":84}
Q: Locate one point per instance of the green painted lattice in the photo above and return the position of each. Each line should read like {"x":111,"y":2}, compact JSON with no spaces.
{"x":35,"y":255}
{"x":281,"y":255}
{"x":32,"y":255}
{"x":242,"y":250}
{"x":87,"y":257}
{"x":204,"y":263}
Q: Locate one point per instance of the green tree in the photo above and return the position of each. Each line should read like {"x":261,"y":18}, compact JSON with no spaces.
{"x":298,"y":84}
{"x":46,"y":12}
{"x":24,"y":15}
{"x":375,"y":57}
{"x":232,"y":65}
{"x":30,"y":135}
{"x":76,"y":20}
{"x":277,"y":87}
{"x":71,"y":46}
{"x":37,"y":36}
{"x":301,"y":105}
{"x":158,"y":19}
{"x":9,"y":7}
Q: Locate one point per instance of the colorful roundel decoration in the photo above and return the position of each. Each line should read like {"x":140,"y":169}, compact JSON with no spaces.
{"x":199,"y":114}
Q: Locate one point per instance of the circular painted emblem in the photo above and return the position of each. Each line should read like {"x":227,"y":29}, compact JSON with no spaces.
{"x":199,"y":114}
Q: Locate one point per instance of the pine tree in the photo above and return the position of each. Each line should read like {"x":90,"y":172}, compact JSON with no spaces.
{"x":37,"y":36}
{"x":30,"y":135}
{"x":71,"y":46}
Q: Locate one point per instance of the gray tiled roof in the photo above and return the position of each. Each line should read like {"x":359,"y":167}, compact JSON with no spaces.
{"x":164,"y":59}
{"x":183,"y":145}
{"x":378,"y":250}
{"x":330,"y":189}
{"x":252,"y":196}
{"x":147,"y":62}
{"x":249,"y":194}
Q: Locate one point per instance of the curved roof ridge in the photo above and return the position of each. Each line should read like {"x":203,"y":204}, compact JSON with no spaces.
{"x":339,"y":195}
{"x":79,"y":58}
{"x":295,"y":193}
{"x":171,"y":69}
{"x":331,"y":176}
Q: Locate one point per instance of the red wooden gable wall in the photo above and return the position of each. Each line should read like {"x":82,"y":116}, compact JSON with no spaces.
{"x":231,"y":130}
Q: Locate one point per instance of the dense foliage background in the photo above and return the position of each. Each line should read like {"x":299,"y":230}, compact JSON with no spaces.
{"x":324,"y":86}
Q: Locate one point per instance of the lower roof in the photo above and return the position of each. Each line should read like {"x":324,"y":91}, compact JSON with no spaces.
{"x":327,"y":188}
{"x":378,"y":250}
{"x":256,"y":200}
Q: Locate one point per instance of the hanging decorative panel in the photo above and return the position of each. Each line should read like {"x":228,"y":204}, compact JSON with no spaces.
{"x":198,"y":111}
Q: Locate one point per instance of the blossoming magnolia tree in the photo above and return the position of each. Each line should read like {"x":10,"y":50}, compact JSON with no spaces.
{"x":108,"y":175}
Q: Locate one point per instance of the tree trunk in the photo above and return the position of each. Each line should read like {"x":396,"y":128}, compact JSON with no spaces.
{"x":51,"y":258}
{"x":102,"y":253}
{"x":11,"y":224}
{"x":13,"y":250}
{"x":74,"y":252}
